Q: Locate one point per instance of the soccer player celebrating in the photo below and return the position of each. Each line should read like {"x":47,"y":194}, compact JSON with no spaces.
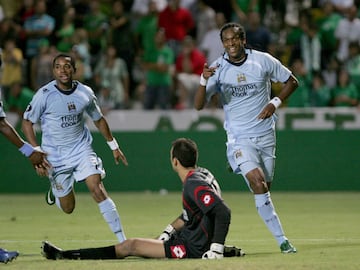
{"x":60,"y":107}
{"x":242,"y":78}
{"x":199,"y":232}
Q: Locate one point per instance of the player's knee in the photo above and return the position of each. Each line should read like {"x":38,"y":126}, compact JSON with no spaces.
{"x":127,"y":248}
{"x":257,"y":181}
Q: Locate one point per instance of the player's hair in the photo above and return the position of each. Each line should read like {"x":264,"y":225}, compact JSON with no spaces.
{"x":186,"y":151}
{"x":63,"y":55}
{"x":238,"y":28}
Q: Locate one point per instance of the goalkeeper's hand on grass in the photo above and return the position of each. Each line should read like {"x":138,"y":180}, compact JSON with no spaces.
{"x":167,"y":233}
{"x":216,"y":252}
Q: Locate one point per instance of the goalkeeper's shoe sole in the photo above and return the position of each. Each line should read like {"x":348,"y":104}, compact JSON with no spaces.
{"x":51,"y":252}
{"x":7,"y":256}
{"x":230,"y":251}
{"x":286,"y":247}
{"x":49,"y":197}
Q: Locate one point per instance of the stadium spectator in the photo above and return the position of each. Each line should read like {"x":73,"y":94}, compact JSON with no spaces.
{"x":352,"y":64}
{"x":257,"y":35}
{"x":9,"y":30}
{"x":41,"y":65}
{"x":81,"y":49}
{"x":111,"y":72}
{"x":310,"y":46}
{"x":12,"y":70}
{"x":105,"y":100}
{"x":204,"y":20}
{"x":199,"y":232}
{"x":82,"y":9}
{"x":37,"y":28}
{"x":345,"y":93}
{"x":122,"y":38}
{"x":25,"y":10}
{"x":327,"y":25}
{"x":189,"y":65}
{"x":18,"y":99}
{"x":211,"y":46}
{"x":95,"y":22}
{"x":320,"y":94}
{"x":146,"y":29}
{"x":243,"y":79}
{"x":348,"y":30}
{"x":241,"y":8}
{"x":158,"y":65}
{"x":301,"y":97}
{"x":330,"y":72}
{"x":66,"y":31}
{"x":177,"y":22}
{"x":61,"y":106}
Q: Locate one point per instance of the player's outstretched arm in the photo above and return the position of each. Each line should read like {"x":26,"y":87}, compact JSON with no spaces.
{"x":104,"y":129}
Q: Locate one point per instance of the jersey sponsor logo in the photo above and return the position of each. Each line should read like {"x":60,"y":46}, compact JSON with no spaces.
{"x":244,"y":90}
{"x":70,"y":120}
{"x":207,"y":199}
{"x":178,"y":251}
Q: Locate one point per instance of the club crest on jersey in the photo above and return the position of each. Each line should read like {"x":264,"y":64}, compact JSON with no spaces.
{"x":241,"y":78}
{"x":238,"y":154}
{"x":71,"y":106}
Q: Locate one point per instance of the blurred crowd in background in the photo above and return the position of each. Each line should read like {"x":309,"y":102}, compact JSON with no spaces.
{"x":149,"y":54}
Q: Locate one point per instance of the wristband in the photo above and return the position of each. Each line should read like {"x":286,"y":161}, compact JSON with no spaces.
{"x":203,"y":81}
{"x":276,"y":102}
{"x":169,"y":229}
{"x":26,"y":149}
{"x":113,"y":144}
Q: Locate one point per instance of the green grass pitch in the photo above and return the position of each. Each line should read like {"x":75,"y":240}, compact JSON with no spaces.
{"x":323,"y":226}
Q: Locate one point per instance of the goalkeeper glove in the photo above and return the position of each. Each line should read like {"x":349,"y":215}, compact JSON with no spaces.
{"x":167,"y":233}
{"x":216,"y":252}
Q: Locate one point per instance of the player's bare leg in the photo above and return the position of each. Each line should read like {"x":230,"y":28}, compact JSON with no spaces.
{"x":148,"y":248}
{"x":66,"y":203}
{"x":106,"y":205}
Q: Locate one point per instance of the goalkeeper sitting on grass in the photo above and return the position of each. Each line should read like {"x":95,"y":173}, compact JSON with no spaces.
{"x":199,"y":232}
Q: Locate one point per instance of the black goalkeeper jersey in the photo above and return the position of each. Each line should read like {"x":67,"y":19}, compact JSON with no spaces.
{"x":201,"y":194}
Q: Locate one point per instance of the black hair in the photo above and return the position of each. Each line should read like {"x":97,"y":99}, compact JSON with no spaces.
{"x":63,"y":55}
{"x":186,"y":151}
{"x":237,"y":28}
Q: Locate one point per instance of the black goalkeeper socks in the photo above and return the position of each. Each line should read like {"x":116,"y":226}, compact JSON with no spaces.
{"x":103,"y":253}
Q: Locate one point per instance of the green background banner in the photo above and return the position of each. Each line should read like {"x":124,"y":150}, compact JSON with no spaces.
{"x":306,"y":161}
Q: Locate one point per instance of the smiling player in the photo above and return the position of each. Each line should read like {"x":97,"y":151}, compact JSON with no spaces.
{"x":60,"y":107}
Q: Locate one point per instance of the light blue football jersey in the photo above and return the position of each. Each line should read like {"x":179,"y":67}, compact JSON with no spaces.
{"x":245,"y":90}
{"x":61,"y":115}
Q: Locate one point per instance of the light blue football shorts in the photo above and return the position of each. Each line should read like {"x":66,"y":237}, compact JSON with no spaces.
{"x":62,"y":178}
{"x":246,"y":154}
